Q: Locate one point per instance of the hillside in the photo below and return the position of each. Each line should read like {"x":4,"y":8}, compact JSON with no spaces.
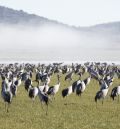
{"x":10,"y":16}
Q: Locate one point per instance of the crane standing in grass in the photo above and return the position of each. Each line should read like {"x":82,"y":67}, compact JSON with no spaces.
{"x":33,"y":92}
{"x":44,"y":98}
{"x":102,"y":93}
{"x":28,"y":83}
{"x":80,"y":88}
{"x":69,"y":76}
{"x":54,"y":89}
{"x":115,"y":92}
{"x":67,"y":91}
{"x":6,"y":95}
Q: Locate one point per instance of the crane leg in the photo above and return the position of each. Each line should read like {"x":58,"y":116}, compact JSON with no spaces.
{"x":42,"y":105}
{"x":102,"y":101}
{"x":47,"y":110}
{"x":96,"y":104}
{"x":5,"y":107}
{"x":118,"y":98}
{"x":8,"y":105}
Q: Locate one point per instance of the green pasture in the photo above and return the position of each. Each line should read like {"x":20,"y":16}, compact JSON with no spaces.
{"x":72,"y":112}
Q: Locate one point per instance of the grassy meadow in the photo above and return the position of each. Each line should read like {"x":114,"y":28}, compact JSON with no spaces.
{"x":72,"y":112}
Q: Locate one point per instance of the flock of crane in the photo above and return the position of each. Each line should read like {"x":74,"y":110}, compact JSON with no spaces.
{"x":13,"y":75}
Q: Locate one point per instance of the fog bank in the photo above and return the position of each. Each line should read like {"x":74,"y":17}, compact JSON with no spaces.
{"x":56,"y":43}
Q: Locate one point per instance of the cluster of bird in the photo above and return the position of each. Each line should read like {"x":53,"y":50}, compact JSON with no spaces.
{"x":13,"y":75}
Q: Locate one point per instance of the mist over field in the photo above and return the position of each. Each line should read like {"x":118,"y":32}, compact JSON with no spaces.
{"x":55,"y":43}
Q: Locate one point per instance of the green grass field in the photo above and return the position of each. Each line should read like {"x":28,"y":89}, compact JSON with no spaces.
{"x":72,"y":112}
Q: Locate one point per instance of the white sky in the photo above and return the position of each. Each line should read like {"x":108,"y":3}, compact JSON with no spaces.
{"x":72,"y":12}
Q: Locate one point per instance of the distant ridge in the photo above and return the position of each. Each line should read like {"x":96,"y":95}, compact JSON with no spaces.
{"x":11,"y":16}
